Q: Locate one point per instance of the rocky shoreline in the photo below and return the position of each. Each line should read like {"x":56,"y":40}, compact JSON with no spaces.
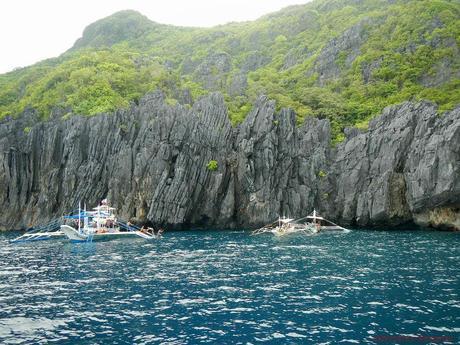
{"x":151,"y":162}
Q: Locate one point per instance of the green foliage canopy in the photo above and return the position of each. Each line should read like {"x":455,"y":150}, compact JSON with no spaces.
{"x":407,"y":50}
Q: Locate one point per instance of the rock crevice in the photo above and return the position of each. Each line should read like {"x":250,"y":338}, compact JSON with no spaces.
{"x":151,"y":161}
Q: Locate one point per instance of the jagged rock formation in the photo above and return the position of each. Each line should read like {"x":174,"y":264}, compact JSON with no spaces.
{"x":407,"y":163}
{"x":151,"y":160}
{"x":348,"y":42}
{"x":211,"y":72}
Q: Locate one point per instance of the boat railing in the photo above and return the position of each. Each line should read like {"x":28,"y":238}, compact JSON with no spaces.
{"x":127,"y":226}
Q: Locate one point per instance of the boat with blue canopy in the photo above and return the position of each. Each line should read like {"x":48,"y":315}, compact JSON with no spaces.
{"x":101,"y":224}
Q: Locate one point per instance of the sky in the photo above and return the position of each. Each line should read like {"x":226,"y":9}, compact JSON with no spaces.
{"x":33,"y":30}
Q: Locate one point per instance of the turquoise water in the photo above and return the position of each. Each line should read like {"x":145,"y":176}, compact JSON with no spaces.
{"x":232,"y":288}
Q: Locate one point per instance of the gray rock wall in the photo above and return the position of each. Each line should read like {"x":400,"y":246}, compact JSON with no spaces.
{"x":151,"y":160}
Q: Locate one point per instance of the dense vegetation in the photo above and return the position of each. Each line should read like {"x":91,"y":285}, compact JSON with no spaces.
{"x":339,"y":59}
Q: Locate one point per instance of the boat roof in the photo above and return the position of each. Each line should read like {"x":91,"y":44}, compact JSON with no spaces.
{"x":312,"y":216}
{"x":84,"y":214}
{"x":315,"y":217}
{"x":104,"y":207}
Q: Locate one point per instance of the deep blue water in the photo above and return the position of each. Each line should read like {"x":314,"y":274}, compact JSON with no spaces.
{"x":232,"y":288}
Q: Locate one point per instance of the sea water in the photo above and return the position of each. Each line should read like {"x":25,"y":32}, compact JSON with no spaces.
{"x":228,"y":287}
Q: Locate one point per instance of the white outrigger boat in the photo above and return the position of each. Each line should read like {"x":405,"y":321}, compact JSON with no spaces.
{"x":309,"y":225}
{"x":87,"y":226}
{"x":100,"y":224}
{"x":284,"y":226}
{"x":322,"y":224}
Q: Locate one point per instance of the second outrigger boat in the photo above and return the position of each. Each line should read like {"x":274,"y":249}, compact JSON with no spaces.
{"x":309,"y":225}
{"x":284,"y":226}
{"x":100,"y":224}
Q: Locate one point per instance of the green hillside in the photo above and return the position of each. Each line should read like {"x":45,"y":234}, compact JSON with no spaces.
{"x":339,"y":59}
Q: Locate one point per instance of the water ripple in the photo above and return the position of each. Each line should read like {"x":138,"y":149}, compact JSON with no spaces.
{"x":229,"y":287}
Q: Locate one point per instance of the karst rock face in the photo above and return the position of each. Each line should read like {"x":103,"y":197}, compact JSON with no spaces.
{"x":151,"y":162}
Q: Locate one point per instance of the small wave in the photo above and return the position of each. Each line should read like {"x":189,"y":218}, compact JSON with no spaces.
{"x":375,"y":303}
{"x":443,"y":329}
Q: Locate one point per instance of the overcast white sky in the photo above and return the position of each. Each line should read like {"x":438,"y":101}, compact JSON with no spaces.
{"x":33,"y":30}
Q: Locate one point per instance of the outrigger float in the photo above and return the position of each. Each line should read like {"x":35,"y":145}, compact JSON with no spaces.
{"x":49,"y":231}
{"x":87,"y":226}
{"x":309,"y":225}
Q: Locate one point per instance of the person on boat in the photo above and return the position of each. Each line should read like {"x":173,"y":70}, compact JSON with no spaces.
{"x":148,"y":231}
{"x":317,"y":226}
{"x":160,"y":232}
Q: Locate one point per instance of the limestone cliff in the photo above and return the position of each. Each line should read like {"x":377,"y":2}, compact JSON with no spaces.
{"x":151,"y":160}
